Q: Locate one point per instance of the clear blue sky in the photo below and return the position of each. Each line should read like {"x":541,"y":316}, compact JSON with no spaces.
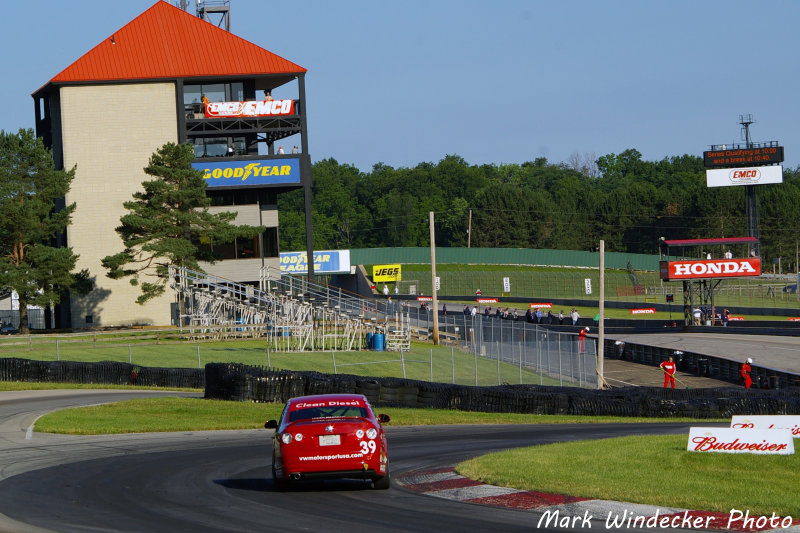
{"x":494,"y":82}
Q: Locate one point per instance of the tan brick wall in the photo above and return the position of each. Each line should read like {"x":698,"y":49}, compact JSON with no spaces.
{"x":110,"y":132}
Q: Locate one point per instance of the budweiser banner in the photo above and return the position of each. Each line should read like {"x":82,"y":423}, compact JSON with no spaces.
{"x":264,"y":108}
{"x":790,"y":422}
{"x":728,"y":440}
{"x":710,"y":268}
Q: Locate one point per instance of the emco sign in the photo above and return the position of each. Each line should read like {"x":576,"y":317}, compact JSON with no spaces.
{"x":729,"y":177}
{"x":250,"y":173}
{"x":712,"y":268}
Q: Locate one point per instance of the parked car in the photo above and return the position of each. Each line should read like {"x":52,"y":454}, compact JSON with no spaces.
{"x":7,"y":329}
{"x":329,"y":436}
{"x":790,"y":288}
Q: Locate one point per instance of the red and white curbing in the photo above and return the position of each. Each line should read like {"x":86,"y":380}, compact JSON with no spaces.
{"x":558,"y":510}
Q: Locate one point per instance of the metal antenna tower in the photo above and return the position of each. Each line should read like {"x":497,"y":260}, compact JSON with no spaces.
{"x":217,"y":12}
{"x":750,"y":190}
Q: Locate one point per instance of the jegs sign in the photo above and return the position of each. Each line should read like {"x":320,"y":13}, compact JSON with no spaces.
{"x":386,"y":273}
{"x":710,"y":268}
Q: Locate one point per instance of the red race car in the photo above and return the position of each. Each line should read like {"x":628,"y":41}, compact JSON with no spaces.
{"x":329,"y":436}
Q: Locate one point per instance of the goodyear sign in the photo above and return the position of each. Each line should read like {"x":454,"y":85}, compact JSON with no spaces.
{"x":386,"y":273}
{"x":325,"y":262}
{"x":253,"y":172}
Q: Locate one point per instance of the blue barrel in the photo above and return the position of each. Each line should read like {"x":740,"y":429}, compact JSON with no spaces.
{"x":369,"y":341}
{"x":377,"y":342}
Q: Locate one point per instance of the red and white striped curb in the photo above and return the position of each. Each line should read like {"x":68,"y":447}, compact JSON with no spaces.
{"x":559,"y":510}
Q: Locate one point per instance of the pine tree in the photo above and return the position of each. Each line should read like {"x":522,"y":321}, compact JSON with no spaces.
{"x":30,"y":222}
{"x":166,"y":221}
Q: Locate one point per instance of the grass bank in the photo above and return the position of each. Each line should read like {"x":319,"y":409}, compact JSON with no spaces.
{"x":195,"y":414}
{"x":650,"y":470}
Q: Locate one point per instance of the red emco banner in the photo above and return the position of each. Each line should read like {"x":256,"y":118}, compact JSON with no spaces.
{"x":710,"y":268}
{"x":264,"y":108}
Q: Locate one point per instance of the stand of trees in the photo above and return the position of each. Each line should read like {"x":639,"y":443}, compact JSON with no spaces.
{"x":628,"y":202}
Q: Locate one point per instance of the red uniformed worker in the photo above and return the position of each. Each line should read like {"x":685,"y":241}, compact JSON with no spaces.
{"x":582,"y":336}
{"x":745,"y":372}
{"x":669,"y":372}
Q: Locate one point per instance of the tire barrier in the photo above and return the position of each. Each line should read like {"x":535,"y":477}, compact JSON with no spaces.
{"x":259,"y":384}
{"x":104,"y":372}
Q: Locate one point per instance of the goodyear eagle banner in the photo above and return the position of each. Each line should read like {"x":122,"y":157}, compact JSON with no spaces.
{"x":325,"y":262}
{"x":386,"y":273}
{"x":252,"y":172}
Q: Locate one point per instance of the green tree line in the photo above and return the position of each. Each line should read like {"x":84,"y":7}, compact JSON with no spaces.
{"x":626,"y":201}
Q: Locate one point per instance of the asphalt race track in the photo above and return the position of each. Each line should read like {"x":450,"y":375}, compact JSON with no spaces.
{"x":219,"y":481}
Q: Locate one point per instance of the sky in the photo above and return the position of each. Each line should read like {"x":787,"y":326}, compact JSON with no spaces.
{"x":498,"y":82}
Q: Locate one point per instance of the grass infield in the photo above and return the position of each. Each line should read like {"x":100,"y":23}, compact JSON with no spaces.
{"x":654,"y":470}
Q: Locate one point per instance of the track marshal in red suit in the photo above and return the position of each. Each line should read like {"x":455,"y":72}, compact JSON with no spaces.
{"x":668,"y":367}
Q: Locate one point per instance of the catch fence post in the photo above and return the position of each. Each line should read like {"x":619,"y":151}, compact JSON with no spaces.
{"x":453,"y":363}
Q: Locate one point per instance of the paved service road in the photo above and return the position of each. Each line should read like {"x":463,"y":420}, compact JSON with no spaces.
{"x":219,"y":481}
{"x":768,"y":351}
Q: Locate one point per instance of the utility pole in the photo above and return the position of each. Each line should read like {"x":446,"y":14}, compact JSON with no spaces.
{"x":469,"y":229}
{"x":601,"y":331}
{"x":750,"y":190}
{"x":435,"y":302}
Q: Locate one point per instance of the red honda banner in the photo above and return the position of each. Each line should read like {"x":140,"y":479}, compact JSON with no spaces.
{"x":486,"y":300}
{"x":263,"y":108}
{"x":643,"y":311}
{"x":541,"y":306}
{"x":710,"y":268}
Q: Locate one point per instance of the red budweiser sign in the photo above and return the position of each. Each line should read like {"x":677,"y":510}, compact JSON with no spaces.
{"x":731,"y":440}
{"x":710,"y":268}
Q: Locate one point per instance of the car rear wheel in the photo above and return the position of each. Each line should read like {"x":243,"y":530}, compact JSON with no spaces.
{"x":278,"y":482}
{"x":382,"y":482}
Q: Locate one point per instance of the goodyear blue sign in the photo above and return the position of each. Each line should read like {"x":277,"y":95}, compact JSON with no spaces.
{"x":229,"y":173}
{"x":325,"y":262}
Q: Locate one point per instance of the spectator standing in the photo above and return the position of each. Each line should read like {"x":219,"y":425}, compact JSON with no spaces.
{"x":697,"y":314}
{"x":295,"y":149}
{"x":561,"y":318}
{"x":280,"y":150}
{"x":726,"y":316}
{"x":575,"y":316}
{"x":444,"y":309}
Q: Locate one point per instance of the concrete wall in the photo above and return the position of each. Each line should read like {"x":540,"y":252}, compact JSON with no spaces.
{"x":110,"y":132}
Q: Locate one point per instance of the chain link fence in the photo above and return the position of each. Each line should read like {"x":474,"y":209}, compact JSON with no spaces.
{"x":564,"y":357}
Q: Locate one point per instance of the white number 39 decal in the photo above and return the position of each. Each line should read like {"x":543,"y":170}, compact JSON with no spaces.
{"x":367,"y":447}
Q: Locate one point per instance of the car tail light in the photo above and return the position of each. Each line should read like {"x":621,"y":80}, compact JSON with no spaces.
{"x":286,"y":438}
{"x":372,"y":433}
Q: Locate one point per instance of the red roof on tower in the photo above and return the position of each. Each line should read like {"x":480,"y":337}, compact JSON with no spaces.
{"x":167,"y":42}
